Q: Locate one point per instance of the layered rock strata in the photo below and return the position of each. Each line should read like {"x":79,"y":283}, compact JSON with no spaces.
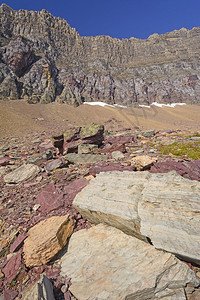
{"x":54,"y":63}
{"x":159,"y":208}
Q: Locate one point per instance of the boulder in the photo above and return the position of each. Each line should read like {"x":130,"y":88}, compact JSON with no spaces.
{"x":49,"y":199}
{"x":55,"y":164}
{"x":143,"y":162}
{"x":88,"y":149}
{"x":40,"y":158}
{"x":23,"y":173}
{"x":105,"y":263}
{"x":92,"y":134}
{"x":43,"y":289}
{"x":45,"y":146}
{"x":161,"y":208}
{"x":84,"y":158}
{"x":46,"y":239}
{"x":117,"y":155}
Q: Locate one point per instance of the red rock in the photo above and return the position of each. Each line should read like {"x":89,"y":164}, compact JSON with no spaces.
{"x":107,"y":166}
{"x":187,"y":169}
{"x":55,"y":164}
{"x":44,"y":146}
{"x":4,"y":161}
{"x":74,"y":188}
{"x":49,"y":199}
{"x":108,"y":148}
{"x":12,"y":267}
{"x":18,"y":243}
{"x":10,"y":294}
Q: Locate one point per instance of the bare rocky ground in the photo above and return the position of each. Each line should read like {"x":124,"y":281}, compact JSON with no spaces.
{"x":59,"y":168}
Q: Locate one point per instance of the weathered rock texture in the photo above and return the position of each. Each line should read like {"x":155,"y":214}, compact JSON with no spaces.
{"x":44,"y":59}
{"x":105,"y":263}
{"x":22,"y":173}
{"x":162,"y":208}
{"x":46,"y":239}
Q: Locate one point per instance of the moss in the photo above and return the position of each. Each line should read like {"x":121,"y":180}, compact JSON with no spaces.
{"x":12,"y":283}
{"x":189,"y":149}
{"x":90,"y":130}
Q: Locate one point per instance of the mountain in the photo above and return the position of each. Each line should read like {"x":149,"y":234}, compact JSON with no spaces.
{"x":43,"y":59}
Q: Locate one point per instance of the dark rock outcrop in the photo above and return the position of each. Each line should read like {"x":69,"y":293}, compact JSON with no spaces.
{"x":71,"y":69}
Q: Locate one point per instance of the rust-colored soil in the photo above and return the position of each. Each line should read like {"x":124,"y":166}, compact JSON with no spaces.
{"x":18,"y":118}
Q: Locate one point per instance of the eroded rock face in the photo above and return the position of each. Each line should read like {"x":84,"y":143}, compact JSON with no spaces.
{"x":163,"y":208}
{"x":162,"y":68}
{"x":18,"y":55}
{"x":105,"y":263}
{"x":46,"y":239}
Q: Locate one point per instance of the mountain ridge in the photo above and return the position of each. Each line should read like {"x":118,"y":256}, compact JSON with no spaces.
{"x":163,"y":68}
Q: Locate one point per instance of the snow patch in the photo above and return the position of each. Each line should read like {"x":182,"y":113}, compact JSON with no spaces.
{"x":161,"y":105}
{"x":98,"y":103}
{"x":104,"y":104}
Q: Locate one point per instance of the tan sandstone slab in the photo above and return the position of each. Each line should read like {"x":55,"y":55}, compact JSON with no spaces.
{"x":22,"y":173}
{"x":46,"y":239}
{"x":164,"y":208}
{"x":104,"y":263}
{"x":143,"y":162}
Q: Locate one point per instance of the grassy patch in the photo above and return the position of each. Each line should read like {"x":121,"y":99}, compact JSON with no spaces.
{"x":191,"y":150}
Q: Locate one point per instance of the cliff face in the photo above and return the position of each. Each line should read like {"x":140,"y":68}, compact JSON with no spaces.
{"x":43,"y":59}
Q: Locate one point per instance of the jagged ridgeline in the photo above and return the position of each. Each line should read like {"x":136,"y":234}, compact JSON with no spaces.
{"x":43,"y":59}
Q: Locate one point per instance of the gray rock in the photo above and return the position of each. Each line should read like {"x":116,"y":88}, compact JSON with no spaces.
{"x":43,"y":289}
{"x":84,"y":158}
{"x":105,"y":263}
{"x":88,"y":149}
{"x":40,"y":158}
{"x":117,"y":155}
{"x":22,"y":173}
{"x":162,"y":208}
{"x":163,"y":68}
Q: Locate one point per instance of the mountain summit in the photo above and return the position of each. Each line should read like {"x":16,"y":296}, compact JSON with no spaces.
{"x":43,"y":59}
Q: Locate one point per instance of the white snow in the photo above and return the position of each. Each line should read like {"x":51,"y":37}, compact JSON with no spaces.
{"x":161,"y":105}
{"x":98,"y":103}
{"x":145,"y":106}
{"x":122,"y":106}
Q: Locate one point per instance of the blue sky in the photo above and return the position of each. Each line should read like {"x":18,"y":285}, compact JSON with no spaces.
{"x":119,"y":18}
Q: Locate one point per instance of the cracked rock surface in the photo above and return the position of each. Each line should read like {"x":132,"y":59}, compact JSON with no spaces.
{"x":161,"y":207}
{"x":105,"y":263}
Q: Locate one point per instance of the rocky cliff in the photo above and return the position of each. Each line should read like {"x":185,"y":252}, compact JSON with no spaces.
{"x":43,"y":59}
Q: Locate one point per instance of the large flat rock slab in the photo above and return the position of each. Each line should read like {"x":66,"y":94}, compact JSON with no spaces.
{"x":105,"y":263}
{"x":163,"y":208}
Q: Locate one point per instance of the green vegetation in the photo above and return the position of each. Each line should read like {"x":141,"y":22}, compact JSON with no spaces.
{"x":12,"y":283}
{"x":190,"y":149}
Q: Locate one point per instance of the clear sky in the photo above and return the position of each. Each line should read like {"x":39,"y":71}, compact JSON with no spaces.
{"x":119,"y":18}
